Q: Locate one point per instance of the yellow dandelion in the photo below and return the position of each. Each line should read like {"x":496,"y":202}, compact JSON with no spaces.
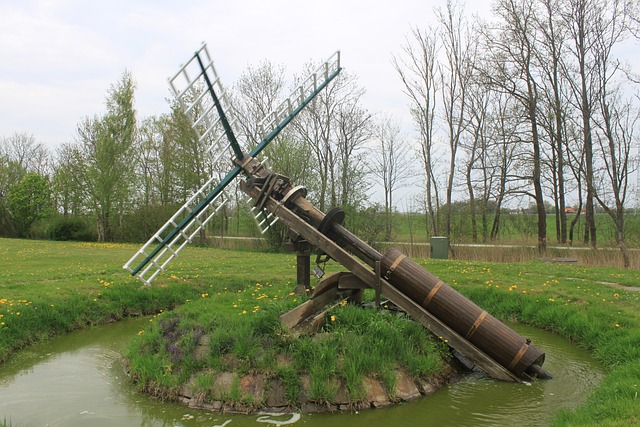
{"x":333,"y":318}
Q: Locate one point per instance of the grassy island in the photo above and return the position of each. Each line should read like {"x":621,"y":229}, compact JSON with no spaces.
{"x":228,"y":351}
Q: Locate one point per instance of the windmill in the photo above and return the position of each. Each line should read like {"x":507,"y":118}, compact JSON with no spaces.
{"x":476,"y":337}
{"x":203,"y":98}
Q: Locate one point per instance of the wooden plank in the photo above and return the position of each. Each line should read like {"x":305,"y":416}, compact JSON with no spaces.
{"x":329,"y":282}
{"x":351,"y":281}
{"x":298,"y":315}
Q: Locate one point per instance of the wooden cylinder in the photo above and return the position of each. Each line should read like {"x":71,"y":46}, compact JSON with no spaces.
{"x":487,"y":333}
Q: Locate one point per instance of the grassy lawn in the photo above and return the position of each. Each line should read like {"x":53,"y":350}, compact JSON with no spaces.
{"x":48,"y":288}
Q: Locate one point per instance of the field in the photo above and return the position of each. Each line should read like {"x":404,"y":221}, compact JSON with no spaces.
{"x":49,"y":288}
{"x":517,"y":241}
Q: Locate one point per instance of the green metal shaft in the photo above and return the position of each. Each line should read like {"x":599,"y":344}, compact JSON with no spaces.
{"x":223,"y":117}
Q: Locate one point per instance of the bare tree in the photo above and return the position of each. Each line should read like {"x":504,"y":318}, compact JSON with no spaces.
{"x":616,"y":122}
{"x":502,"y":148}
{"x":27,"y":153}
{"x":550,"y":52}
{"x":455,"y":74}
{"x":353,"y":129}
{"x":511,"y":51}
{"x":595,"y":27}
{"x":335,"y":128}
{"x":391,"y":163}
{"x":616,"y":140}
{"x":257,"y":93}
{"x":475,"y":146}
{"x":418,"y":70}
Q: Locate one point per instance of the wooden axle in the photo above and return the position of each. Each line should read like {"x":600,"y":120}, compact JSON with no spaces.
{"x":480,"y":328}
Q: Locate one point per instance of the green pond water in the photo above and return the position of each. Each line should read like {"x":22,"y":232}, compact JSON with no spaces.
{"x":79,"y":380}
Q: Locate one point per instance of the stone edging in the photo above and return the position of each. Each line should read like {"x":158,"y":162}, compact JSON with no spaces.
{"x":270,"y":394}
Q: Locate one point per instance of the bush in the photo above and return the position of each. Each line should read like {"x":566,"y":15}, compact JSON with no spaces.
{"x":71,"y":229}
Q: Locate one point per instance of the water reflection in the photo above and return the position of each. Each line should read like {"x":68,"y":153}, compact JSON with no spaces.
{"x":78,"y":380}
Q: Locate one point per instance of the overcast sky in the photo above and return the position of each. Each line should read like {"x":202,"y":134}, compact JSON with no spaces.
{"x":59,"y":57}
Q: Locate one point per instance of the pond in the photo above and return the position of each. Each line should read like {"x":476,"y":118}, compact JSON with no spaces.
{"x":79,"y":380}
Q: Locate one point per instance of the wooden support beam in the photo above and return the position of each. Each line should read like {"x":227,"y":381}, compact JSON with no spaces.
{"x":308,"y":316}
{"x":351,"y":281}
{"x":293,"y":319}
{"x":303,"y":272}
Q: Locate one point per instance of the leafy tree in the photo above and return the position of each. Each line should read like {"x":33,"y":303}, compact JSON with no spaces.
{"x":29,"y":201}
{"x":106,"y":147}
{"x":69,"y":192}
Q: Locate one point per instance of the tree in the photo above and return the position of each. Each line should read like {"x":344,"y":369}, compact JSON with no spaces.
{"x":334,"y":127}
{"x":352,"y":131}
{"x":69,"y":189}
{"x":106,"y":145}
{"x":10,"y":174}
{"x":616,"y":123}
{"x":156,"y":158}
{"x":455,"y":74}
{"x":30,"y":201}
{"x":418,"y":69}
{"x":512,"y":70}
{"x":258,"y":91}
{"x":503,"y":147}
{"x":390,"y":163}
{"x":595,"y":27}
{"x":19,"y":154}
{"x":616,"y":141}
{"x":29,"y":154}
{"x":550,"y":57}
{"x":476,"y":163}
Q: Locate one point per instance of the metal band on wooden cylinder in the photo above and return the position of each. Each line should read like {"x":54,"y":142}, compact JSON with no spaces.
{"x":487,"y":333}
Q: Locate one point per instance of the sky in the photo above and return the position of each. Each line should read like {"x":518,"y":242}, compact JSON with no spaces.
{"x":59,"y":57}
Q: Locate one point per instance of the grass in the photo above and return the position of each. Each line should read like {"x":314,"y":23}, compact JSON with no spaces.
{"x":49,"y":288}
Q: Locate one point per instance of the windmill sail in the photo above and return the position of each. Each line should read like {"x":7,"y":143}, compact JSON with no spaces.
{"x":204,"y":100}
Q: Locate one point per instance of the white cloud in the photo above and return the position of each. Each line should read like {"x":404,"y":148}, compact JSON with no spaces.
{"x":60,"y":56}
